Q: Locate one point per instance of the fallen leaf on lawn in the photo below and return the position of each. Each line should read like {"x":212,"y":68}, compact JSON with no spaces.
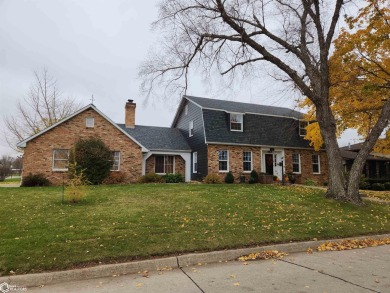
{"x":139,"y":285}
{"x":236,"y":284}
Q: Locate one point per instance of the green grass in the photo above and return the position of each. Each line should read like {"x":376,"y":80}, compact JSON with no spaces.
{"x":120,"y":223}
{"x":11,"y":180}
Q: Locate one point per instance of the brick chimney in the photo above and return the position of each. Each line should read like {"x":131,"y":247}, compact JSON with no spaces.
{"x":130,"y":114}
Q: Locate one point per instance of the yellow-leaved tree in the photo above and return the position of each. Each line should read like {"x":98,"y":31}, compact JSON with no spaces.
{"x":360,"y":82}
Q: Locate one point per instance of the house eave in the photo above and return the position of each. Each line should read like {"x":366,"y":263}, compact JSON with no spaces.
{"x":260,"y":145}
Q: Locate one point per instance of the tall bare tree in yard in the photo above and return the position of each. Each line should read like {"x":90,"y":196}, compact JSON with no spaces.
{"x":294,"y":36}
{"x":43,"y":106}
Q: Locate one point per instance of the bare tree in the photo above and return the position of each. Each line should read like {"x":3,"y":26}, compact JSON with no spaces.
{"x":5,"y":167}
{"x":43,"y":107}
{"x":294,"y":36}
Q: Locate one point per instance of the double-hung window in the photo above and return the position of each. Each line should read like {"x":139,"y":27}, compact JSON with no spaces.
{"x":164,"y":164}
{"x":315,"y":161}
{"x":236,"y":122}
{"x":302,"y":127}
{"x":195,"y":162}
{"x":191,"y":128}
{"x":223,"y":159}
{"x":296,"y":163}
{"x":60,"y":160}
{"x":115,"y":158}
{"x":247,"y":161}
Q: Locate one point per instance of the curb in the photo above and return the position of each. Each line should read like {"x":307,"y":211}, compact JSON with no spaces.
{"x":101,"y":271}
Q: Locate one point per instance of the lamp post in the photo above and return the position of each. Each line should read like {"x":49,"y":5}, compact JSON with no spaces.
{"x":281,"y":164}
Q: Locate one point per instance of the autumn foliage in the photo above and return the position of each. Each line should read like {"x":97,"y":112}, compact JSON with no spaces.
{"x":360,"y":75}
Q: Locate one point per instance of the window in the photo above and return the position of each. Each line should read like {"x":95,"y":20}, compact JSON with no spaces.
{"x":296,"y":163}
{"x":191,"y":128}
{"x":315,"y":161}
{"x":60,"y":160}
{"x":195,"y":162}
{"x":236,"y":121}
{"x":247,"y":161}
{"x":223,"y":158}
{"x":116,"y":158}
{"x":186,"y":110}
{"x":302,"y":127}
{"x":164,"y":164}
{"x":89,"y":122}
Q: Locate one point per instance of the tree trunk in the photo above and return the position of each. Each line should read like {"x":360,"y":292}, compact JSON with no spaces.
{"x":360,"y":160}
{"x":337,"y":181}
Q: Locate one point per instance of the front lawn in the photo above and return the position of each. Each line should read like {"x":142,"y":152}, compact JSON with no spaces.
{"x":120,"y":223}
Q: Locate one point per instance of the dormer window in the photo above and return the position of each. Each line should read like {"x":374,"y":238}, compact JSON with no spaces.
{"x":236,"y":122}
{"x":302,"y":127}
{"x":186,"y":110}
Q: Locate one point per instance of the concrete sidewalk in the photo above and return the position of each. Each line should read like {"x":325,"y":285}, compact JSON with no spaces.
{"x":359,"y":270}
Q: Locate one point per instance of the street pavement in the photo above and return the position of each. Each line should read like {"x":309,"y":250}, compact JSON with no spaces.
{"x":358,"y":270}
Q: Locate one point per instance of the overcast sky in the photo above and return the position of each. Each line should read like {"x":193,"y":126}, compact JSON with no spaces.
{"x":94,"y":47}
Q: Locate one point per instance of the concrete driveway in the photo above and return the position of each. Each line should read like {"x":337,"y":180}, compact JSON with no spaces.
{"x":359,"y":270}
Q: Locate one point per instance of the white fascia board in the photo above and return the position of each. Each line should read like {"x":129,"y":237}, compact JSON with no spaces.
{"x":260,"y":145}
{"x":170,"y":152}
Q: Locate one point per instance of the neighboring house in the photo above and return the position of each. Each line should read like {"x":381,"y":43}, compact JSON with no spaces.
{"x":377,"y":164}
{"x":207,"y":136}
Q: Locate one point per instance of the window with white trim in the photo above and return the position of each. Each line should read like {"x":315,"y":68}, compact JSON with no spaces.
{"x":195,"y":162}
{"x":296,"y":163}
{"x":191,"y":128}
{"x":315,"y":161}
{"x":236,"y":122}
{"x":247,"y":161}
{"x":116,"y":159}
{"x":89,"y":122}
{"x":302,"y":127}
{"x":223,"y":160}
{"x":60,"y":160}
{"x":164,"y":164}
{"x":186,"y":110}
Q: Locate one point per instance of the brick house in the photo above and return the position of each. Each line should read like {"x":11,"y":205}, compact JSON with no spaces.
{"x":206,"y":136}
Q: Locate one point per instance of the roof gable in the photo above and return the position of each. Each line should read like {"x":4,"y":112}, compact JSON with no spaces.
{"x":23,"y":143}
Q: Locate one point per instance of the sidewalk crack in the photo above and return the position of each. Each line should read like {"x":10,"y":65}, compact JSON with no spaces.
{"x":192,"y":280}
{"x":326,"y":274}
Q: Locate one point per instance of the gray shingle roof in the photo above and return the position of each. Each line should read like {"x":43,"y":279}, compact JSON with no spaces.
{"x":240,"y":107}
{"x":158,"y":138}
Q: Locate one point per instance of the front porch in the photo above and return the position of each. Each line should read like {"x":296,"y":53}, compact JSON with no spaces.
{"x":163,"y":162}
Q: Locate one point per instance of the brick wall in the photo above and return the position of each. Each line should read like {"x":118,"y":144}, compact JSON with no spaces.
{"x":235,"y":160}
{"x":38,"y":154}
{"x":306,"y":165}
{"x":180,"y":165}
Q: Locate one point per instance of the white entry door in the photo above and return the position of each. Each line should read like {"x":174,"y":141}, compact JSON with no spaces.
{"x":271,"y":163}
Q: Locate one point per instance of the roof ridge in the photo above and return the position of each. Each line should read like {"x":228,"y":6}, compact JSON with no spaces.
{"x":238,"y":102}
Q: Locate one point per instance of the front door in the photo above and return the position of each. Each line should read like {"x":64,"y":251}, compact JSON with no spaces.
{"x":272,"y":166}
